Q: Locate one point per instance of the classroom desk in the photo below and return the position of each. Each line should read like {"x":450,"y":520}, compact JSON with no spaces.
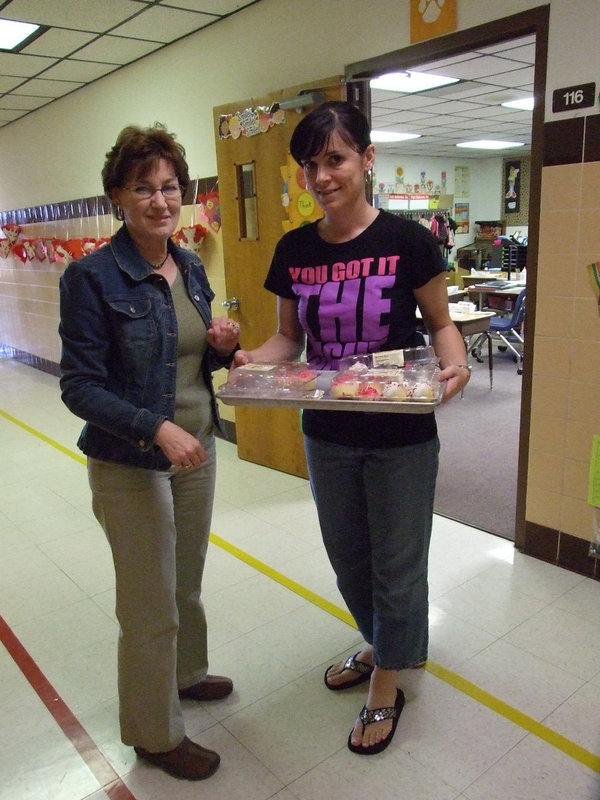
{"x":456,"y":296}
{"x":482,"y":290}
{"x":483,"y":276}
{"x":473,"y":323}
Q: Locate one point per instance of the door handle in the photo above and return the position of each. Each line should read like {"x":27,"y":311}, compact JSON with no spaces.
{"x":232,"y":303}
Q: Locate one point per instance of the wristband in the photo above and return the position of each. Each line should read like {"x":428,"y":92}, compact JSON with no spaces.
{"x":464,"y":366}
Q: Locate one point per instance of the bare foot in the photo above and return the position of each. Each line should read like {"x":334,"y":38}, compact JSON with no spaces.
{"x":337,"y":675}
{"x":382,"y":694}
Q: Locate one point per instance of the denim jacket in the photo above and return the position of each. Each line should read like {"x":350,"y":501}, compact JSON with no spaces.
{"x":119,"y":348}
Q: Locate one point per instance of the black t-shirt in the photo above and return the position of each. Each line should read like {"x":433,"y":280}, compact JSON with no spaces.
{"x":353,"y":298}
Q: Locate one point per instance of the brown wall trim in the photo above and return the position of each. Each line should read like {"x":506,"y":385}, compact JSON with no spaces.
{"x":43,"y":364}
{"x":560,"y":549}
{"x":591,"y":142}
{"x":230,"y":432}
{"x":563,"y":142}
{"x":52,"y":368}
{"x":572,"y":141}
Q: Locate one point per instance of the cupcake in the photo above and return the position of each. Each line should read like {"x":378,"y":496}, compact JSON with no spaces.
{"x":396,"y":391}
{"x":344,"y":387}
{"x":370,"y":390}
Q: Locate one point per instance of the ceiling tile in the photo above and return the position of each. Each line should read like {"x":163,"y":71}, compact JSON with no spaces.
{"x":515,"y":78}
{"x":163,"y":23}
{"x":393,"y":100}
{"x":438,"y":67}
{"x":25,"y":66}
{"x":10,"y":116}
{"x":84,"y":15}
{"x":217,"y":7}
{"x":80,"y":71}
{"x":476,"y":67}
{"x":78,"y":35}
{"x":116,"y":50}
{"x":58,"y":42}
{"x":7,"y":83}
{"x":16,"y":101}
{"x":525,"y":44}
{"x":49,"y":88}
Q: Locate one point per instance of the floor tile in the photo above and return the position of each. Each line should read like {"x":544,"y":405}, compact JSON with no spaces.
{"x":519,"y":629}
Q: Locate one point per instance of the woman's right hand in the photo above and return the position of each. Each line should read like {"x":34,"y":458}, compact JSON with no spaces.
{"x":240,"y":358}
{"x":181,"y":448}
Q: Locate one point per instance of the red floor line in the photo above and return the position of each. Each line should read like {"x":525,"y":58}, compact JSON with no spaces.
{"x":108,"y":779}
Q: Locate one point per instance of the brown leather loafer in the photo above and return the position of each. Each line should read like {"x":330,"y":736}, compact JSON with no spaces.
{"x":188,"y":760}
{"x":213,"y":687}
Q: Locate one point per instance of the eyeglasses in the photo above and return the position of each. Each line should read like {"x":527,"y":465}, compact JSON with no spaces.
{"x":142,"y":192}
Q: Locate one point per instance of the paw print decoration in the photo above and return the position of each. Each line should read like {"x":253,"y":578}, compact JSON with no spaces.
{"x":430,"y":10}
{"x":429,"y":18}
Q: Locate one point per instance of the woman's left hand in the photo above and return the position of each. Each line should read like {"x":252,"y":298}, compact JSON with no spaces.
{"x":223,"y":335}
{"x":456,"y":378}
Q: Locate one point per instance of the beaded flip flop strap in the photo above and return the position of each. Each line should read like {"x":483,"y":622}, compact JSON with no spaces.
{"x":358,"y":666}
{"x":368,"y":716}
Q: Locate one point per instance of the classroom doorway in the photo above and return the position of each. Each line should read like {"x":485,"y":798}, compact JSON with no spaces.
{"x":467,"y":46}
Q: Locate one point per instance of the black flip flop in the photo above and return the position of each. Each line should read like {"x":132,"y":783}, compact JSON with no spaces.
{"x":364,"y":673}
{"x":368,"y":716}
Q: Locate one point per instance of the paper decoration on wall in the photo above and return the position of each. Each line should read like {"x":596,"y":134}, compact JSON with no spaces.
{"x":461,"y":217}
{"x":594,"y":274}
{"x":250,"y":122}
{"x":512,"y":181}
{"x":63,"y":251}
{"x":429,"y":18}
{"x":190,"y":238}
{"x":462,"y":182}
{"x":301,"y":208}
{"x":210,"y":209}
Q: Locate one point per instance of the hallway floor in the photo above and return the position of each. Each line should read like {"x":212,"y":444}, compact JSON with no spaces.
{"x":508,"y":707}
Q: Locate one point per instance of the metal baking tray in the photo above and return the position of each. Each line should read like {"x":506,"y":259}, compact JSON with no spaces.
{"x":329,"y":404}
{"x":317,"y":398}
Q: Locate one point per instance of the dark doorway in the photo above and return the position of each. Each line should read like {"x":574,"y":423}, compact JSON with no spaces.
{"x":533,"y":24}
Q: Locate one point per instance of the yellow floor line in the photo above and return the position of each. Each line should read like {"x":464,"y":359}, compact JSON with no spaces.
{"x":452,"y":678}
{"x":81,"y":459}
{"x":501,"y":708}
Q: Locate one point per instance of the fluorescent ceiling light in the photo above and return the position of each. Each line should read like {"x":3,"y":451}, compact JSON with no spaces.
{"x":13,"y":33}
{"x":410,"y":81}
{"x":524,"y":104}
{"x":392,"y":136}
{"x":489,"y":144}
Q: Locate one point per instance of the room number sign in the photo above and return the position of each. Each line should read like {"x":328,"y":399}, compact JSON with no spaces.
{"x":573,"y":97}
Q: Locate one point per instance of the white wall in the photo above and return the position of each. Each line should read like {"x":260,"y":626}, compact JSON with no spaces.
{"x":485,"y":182}
{"x":56,"y":153}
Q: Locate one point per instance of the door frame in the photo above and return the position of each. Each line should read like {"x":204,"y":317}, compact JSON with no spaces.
{"x":534,"y":21}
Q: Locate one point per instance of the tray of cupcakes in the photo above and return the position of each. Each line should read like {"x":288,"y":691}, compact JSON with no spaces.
{"x":399,"y":381}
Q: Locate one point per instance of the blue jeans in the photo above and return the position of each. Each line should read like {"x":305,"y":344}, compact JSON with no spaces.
{"x":375,"y":508}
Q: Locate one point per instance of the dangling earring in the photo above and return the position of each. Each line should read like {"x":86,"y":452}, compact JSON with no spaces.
{"x":119,"y":213}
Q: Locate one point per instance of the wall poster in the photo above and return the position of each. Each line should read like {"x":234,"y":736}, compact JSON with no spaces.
{"x":512,"y":182}
{"x":462,"y":182}
{"x":461,"y":217}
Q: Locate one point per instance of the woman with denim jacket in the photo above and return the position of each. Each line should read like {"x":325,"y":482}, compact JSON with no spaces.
{"x":138,"y":349}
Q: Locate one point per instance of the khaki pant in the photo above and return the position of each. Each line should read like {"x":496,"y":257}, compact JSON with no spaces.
{"x":157,"y":525}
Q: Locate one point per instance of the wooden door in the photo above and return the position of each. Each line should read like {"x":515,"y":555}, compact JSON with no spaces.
{"x":251,"y":190}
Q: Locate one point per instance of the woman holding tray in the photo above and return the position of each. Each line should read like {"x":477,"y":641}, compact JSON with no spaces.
{"x":372,"y":474}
